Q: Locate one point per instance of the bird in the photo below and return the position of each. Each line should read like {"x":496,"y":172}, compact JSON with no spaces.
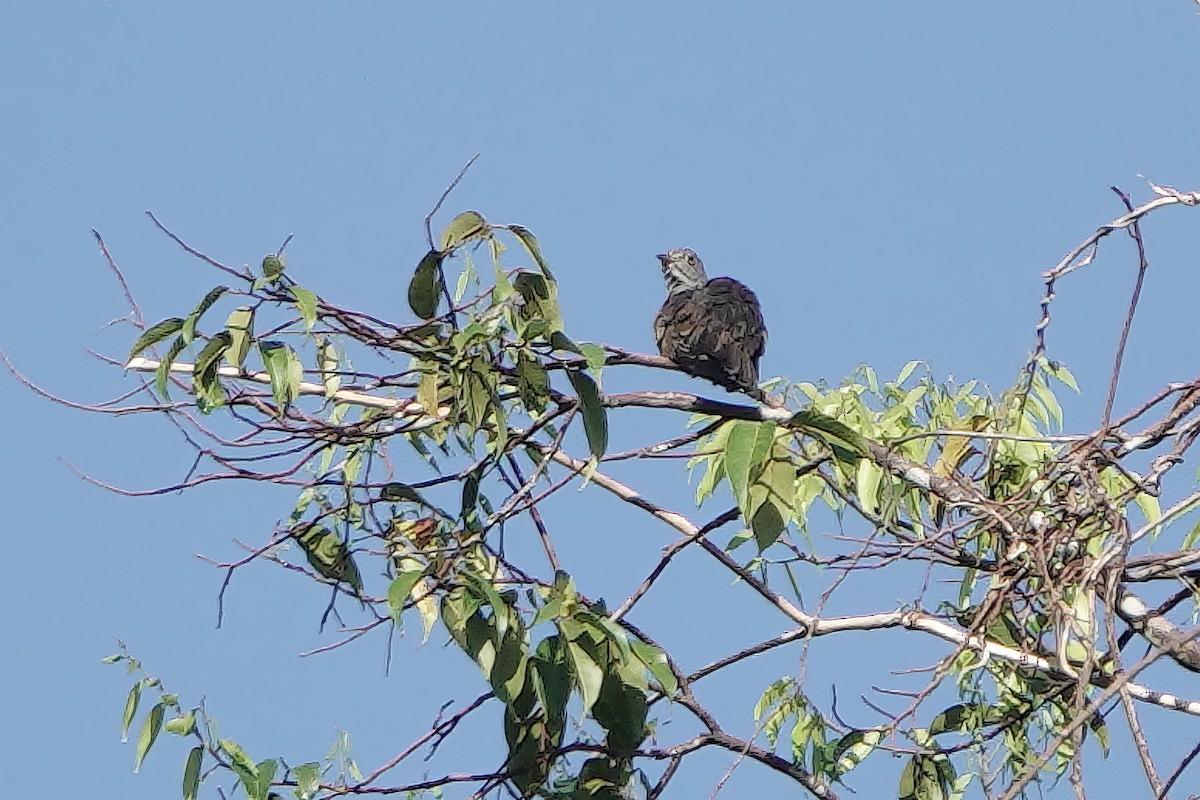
{"x":713,"y":329}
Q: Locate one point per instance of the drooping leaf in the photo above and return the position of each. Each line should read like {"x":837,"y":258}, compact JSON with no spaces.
{"x":533,"y":384}
{"x":328,"y":555}
{"x":240,"y":763}
{"x":150,"y":728}
{"x":595,"y":417}
{"x":476,"y":394}
{"x":131,"y":707}
{"x":284,"y":368}
{"x":156,"y":334}
{"x":191,"y":773}
{"x":423,"y":289}
{"x":588,"y":674}
{"x":206,"y":385}
{"x":621,"y":710}
{"x":188,"y":333}
{"x":531,"y":245}
{"x":469,"y":513}
{"x":1099,"y":727}
{"x":240,"y":326}
{"x":306,"y":304}
{"x":655,"y":660}
{"x":768,"y":523}
{"x":553,"y":682}
{"x":466,"y":226}
{"x":868,"y":478}
{"x":595,"y":356}
{"x":540,"y":304}
{"x":428,"y":386}
{"x":163,"y":372}
{"x":399,"y":590}
{"x":742,"y":458}
{"x":328,"y":360}
{"x":852,"y":748}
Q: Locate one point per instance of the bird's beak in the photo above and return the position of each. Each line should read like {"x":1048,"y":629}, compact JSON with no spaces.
{"x":662,"y":257}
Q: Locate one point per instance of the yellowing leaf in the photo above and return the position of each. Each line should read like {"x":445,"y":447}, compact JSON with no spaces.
{"x":466,"y":226}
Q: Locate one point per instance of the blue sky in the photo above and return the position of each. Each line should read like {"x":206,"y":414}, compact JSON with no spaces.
{"x":891,"y":179}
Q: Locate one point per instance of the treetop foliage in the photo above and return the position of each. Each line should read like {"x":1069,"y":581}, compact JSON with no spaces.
{"x":412,"y":446}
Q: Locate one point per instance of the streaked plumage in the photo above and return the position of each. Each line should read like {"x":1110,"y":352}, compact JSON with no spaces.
{"x":713,"y":329}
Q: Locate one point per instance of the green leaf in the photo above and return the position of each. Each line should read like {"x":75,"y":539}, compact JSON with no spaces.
{"x":209,"y":359}
{"x":131,"y":706}
{"x":803,"y":732}
{"x":843,"y":440}
{"x":399,"y":590}
{"x":767,"y":523}
{"x":164,"y":367}
{"x":868,"y":479}
{"x":921,"y":780}
{"x":423,"y":289}
{"x":540,"y":298}
{"x":307,"y":777}
{"x":595,"y":418}
{"x":191,"y":773}
{"x":161,"y":331}
{"x":621,"y":710}
{"x":239,"y":761}
{"x":595,"y":356}
{"x":852,"y":748}
{"x":284,"y":369}
{"x":273,"y":266}
{"x":240,"y":326}
{"x":306,"y":304}
{"x":328,"y":555}
{"x":533,"y":384}
{"x":656,"y":661}
{"x":182,"y":726}
{"x":328,"y":360}
{"x":189,"y":326}
{"x":1100,"y":728}
{"x":400,"y":493}
{"x":744,"y":450}
{"x":908,"y":370}
{"x":470,"y":500}
{"x":588,"y":674}
{"x":559,"y":341}
{"x":466,"y":226}
{"x":531,"y":244}
{"x":1063,"y":375}
{"x":967,"y":718}
{"x":150,"y":728}
{"x":552,"y":681}
{"x":477,"y":394}
{"x":260,"y":788}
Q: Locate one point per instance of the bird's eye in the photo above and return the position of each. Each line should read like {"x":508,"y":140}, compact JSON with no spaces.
{"x":692,"y":260}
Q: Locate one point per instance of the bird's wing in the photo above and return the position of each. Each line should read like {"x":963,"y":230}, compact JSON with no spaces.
{"x":737,"y":317}
{"x":674,"y":327}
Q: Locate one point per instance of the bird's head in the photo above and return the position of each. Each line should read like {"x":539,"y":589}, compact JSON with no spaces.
{"x":682,"y":270}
